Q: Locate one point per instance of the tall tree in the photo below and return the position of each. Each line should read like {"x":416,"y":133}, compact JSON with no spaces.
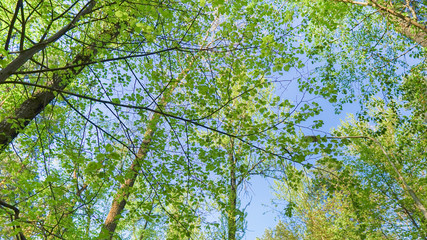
{"x":388,"y":155}
{"x":316,"y":211}
{"x":359,"y":57}
{"x":96,"y":107}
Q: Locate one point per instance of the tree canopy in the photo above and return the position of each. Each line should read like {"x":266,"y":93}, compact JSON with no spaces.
{"x":146,"y":119}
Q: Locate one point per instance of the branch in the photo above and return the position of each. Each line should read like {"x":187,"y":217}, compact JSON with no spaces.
{"x":20,"y":234}
{"x":31,"y":107}
{"x":414,"y":14}
{"x":403,"y":21}
{"x":165,"y":114}
{"x":29,"y":53}
{"x":23,"y":22}
{"x":95,"y":61}
{"x":12,"y":23}
{"x":399,"y":15}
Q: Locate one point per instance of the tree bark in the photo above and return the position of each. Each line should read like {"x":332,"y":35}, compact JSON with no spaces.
{"x":122,"y":196}
{"x":120,"y":200}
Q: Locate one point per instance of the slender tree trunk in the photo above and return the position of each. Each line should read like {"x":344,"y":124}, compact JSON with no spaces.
{"x":122,"y":196}
{"x":232,"y":198}
{"x":120,"y":200}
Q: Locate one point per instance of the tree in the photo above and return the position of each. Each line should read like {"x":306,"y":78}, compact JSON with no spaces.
{"x":231,"y":162}
{"x":279,"y":232}
{"x":355,"y":49}
{"x":377,"y":183}
{"x":408,"y":17}
{"x":379,"y":169}
{"x":318,"y":209}
{"x":95,"y":108}
{"x":395,"y":140}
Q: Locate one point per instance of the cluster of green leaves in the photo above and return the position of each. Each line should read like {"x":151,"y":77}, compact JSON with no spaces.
{"x":314,"y":212}
{"x":354,"y":52}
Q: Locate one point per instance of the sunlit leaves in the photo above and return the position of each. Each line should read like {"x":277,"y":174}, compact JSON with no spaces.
{"x":207,"y":68}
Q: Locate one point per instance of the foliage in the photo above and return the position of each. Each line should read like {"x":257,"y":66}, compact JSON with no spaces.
{"x":316,"y":211}
{"x":109,"y":108}
{"x":355,"y":50}
{"x":374,"y":163}
{"x":143,"y":119}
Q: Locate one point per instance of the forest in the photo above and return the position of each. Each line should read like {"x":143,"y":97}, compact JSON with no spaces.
{"x":150,"y":119}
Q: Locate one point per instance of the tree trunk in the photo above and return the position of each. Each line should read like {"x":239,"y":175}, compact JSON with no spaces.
{"x":232,"y":199}
{"x":120,"y":200}
{"x":122,"y":196}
